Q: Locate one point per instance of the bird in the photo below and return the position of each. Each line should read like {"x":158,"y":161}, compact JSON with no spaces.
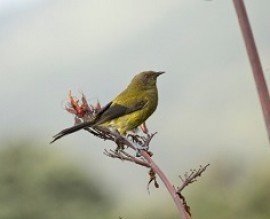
{"x":130,"y":109}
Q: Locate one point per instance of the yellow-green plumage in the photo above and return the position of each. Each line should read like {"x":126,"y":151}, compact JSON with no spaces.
{"x":129,"y":109}
{"x":128,"y":97}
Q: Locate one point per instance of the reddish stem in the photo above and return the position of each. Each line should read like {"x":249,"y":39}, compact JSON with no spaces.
{"x":254,"y":61}
{"x":171,"y":189}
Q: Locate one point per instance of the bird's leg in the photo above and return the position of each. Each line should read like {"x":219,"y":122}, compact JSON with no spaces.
{"x":120,"y":145}
{"x":144,"y":128}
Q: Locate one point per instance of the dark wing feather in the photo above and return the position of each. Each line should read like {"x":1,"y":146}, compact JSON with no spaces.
{"x":102,"y":110}
{"x":117,"y":110}
{"x":72,"y":129}
{"x":107,"y":113}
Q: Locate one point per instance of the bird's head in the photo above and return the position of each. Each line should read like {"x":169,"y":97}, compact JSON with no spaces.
{"x":146,"y":79}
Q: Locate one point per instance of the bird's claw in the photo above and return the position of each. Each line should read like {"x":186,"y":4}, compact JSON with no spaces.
{"x":135,"y":138}
{"x":139,"y":143}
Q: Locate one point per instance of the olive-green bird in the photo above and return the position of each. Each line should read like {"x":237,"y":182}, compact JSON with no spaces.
{"x":128,"y":110}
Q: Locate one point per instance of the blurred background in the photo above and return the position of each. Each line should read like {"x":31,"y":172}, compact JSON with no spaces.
{"x":208,"y":111}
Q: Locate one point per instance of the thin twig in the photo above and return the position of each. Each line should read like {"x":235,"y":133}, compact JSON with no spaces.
{"x":122,"y":155}
{"x":187,"y":180}
{"x":190,"y":178}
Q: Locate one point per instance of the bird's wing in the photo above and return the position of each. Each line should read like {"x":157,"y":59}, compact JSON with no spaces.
{"x":103,"y":109}
{"x":115,"y":110}
{"x":108,"y":112}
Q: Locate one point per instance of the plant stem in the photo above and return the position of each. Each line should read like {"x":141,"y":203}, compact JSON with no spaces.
{"x":171,"y":189}
{"x":254,"y":61}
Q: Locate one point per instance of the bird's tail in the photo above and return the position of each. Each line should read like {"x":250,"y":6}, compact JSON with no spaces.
{"x":72,"y":129}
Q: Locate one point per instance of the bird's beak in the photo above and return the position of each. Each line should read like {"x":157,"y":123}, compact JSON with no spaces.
{"x":160,"y":73}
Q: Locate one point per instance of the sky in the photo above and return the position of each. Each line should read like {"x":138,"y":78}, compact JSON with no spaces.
{"x":208,"y":105}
